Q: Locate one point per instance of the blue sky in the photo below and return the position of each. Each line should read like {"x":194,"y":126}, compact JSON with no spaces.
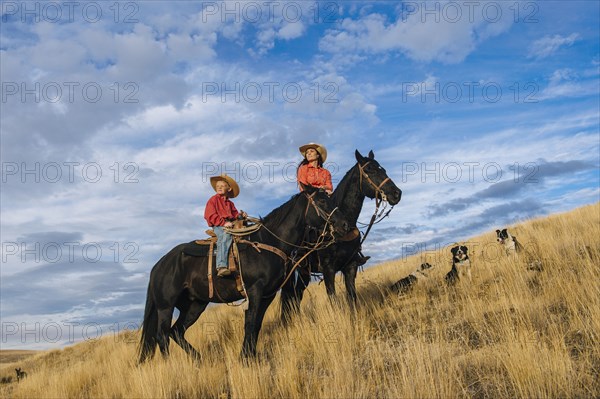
{"x":114,"y":116}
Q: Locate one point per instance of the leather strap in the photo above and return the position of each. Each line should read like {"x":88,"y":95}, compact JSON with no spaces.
{"x":366,"y":176}
{"x":210,"y":261}
{"x":258,"y":246}
{"x":237,"y":265}
{"x":206,"y":241}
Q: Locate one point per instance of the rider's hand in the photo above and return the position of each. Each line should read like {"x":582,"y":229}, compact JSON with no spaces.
{"x":228,"y":225}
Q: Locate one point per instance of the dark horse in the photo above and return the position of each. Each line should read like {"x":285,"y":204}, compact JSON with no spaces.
{"x":180,"y":281}
{"x":365,"y":179}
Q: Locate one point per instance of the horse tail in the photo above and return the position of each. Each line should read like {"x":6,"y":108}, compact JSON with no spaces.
{"x":149,"y":328}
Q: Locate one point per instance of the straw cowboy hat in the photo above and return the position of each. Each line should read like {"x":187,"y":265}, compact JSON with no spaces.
{"x":320,"y":149}
{"x":235,"y":189}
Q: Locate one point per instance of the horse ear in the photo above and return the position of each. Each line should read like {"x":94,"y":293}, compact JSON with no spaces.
{"x":358,"y":156}
{"x":371,"y":155}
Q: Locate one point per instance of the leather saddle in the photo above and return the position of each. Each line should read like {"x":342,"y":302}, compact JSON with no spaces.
{"x":207,"y":248}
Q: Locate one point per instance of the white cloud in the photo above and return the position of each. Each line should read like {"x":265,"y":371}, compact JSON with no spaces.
{"x":186,"y":47}
{"x":291,"y":31}
{"x":421,"y":36}
{"x":548,"y":45}
{"x":568,"y":83}
{"x":268,"y":33}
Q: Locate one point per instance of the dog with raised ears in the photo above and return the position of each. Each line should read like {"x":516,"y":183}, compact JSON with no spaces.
{"x":20,"y":374}
{"x":509,"y":242}
{"x":461,"y":265}
{"x":405,"y":284}
{"x":513,"y":248}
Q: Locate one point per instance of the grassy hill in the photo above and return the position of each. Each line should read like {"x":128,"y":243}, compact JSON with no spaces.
{"x":12,"y":356}
{"x":511,"y":333}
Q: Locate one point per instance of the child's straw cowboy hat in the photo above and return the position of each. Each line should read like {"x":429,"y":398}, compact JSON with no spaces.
{"x":235,"y":189}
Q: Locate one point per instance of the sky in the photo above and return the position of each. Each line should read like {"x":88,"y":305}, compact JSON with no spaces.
{"x":115,"y":114}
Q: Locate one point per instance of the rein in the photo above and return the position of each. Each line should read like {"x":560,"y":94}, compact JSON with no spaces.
{"x":321,"y":213}
{"x":317,"y":246}
{"x":377,"y":216}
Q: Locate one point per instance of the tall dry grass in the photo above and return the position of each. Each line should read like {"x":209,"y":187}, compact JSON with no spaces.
{"x":511,"y":333}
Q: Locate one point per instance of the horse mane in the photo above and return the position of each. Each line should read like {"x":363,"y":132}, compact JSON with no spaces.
{"x":278,"y":215}
{"x":341,"y":190}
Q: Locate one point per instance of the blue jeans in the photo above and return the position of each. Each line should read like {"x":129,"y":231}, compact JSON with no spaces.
{"x":224,"y":241}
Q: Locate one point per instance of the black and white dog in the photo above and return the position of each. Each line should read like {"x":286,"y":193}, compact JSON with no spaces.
{"x":509,"y":242}
{"x":461,"y":265}
{"x":513,"y":248}
{"x":405,"y":284}
{"x":20,"y":374}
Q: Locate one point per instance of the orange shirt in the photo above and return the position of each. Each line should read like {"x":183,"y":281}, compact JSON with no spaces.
{"x":314,"y":176}
{"x":219,"y":209}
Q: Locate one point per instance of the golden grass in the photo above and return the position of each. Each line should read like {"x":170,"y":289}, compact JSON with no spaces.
{"x":12,"y":356}
{"x":511,"y":333}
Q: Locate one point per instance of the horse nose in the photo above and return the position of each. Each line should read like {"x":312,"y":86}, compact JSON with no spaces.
{"x":395,"y":197}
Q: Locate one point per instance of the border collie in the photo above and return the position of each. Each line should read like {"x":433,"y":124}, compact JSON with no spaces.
{"x":20,"y":374}
{"x":509,"y":242}
{"x":405,"y":284}
{"x":461,"y":265}
{"x":514,"y":248}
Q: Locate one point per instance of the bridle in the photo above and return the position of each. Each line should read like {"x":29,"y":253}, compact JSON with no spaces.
{"x":376,"y":188}
{"x":379,"y":198}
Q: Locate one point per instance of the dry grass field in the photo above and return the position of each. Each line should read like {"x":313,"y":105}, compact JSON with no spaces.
{"x":12,"y":356}
{"x":513,"y":332}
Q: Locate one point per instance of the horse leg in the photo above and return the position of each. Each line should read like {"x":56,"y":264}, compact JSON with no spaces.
{"x":255,"y":306}
{"x":187,"y":316}
{"x":260,"y":314}
{"x":350,"y":281}
{"x":164,"y":327}
{"x":292,"y":293}
{"x":249,"y":348}
{"x":329,"y":277}
{"x":289,"y":304}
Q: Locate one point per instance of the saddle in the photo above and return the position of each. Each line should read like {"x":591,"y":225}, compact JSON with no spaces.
{"x":206,"y":248}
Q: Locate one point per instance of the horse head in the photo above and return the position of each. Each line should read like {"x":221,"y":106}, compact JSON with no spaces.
{"x":375,"y":181}
{"x":322,"y":211}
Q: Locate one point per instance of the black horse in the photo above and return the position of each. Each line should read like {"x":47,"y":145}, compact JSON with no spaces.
{"x":365,"y":179}
{"x":180,"y":281}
